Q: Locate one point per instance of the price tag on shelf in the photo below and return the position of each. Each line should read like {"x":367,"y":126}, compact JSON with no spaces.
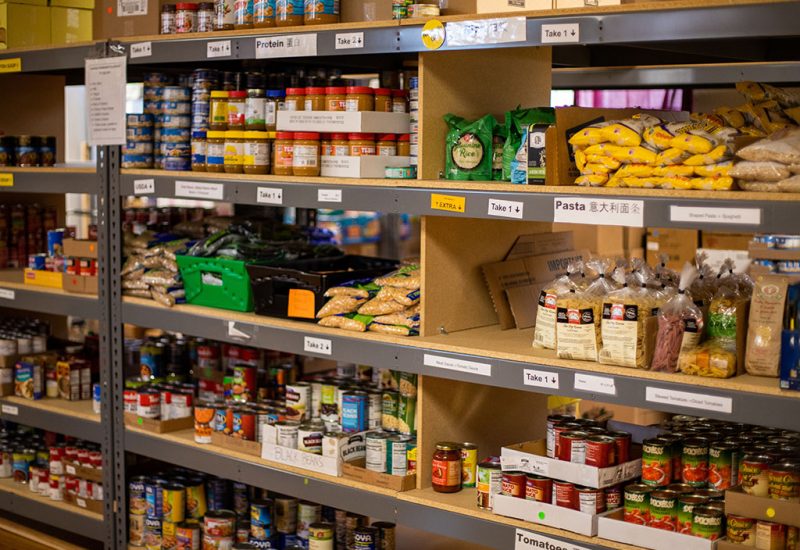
{"x":220,"y":48}
{"x":540,"y":379}
{"x":70,"y":469}
{"x":349,"y":40}
{"x":144,"y":187}
{"x":486,"y":31}
{"x":691,"y":400}
{"x":10,"y":410}
{"x":290,"y":45}
{"x":598,"y":211}
{"x":448,"y":203}
{"x":563,"y":33}
{"x":269,"y":195}
{"x":329,"y":195}
{"x":317,"y":345}
{"x":199,"y":190}
{"x":12,"y":65}
{"x":462,"y":365}
{"x":81,"y":502}
{"x":141,"y":49}
{"x":6,"y":180}
{"x":506,"y":209}
{"x":595,"y":384}
{"x":7,"y":294}
{"x":704,"y":214}
{"x":526,"y":540}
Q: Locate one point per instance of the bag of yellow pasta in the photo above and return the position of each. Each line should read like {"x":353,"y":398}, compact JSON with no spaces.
{"x":622,"y":328}
{"x":544,"y":333}
{"x":628,"y":132}
{"x":590,"y":135}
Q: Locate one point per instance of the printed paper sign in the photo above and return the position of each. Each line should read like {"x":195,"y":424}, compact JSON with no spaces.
{"x":462,"y":365}
{"x":564,"y":33}
{"x":598,"y":211}
{"x":329,"y":195}
{"x":6,"y":294}
{"x":105,"y":99}
{"x":198,"y":190}
{"x":9,"y":409}
{"x":704,"y":214}
{"x":141,"y":49}
{"x":144,"y":187}
{"x":269,"y":195}
{"x":486,"y":31}
{"x":689,"y":399}
{"x":448,"y":203}
{"x":349,"y":40}
{"x":595,"y":384}
{"x":12,"y":65}
{"x":540,"y":379}
{"x":291,"y":45}
{"x":317,"y":345}
{"x":130,"y":8}
{"x":6,"y":180}
{"x":526,"y":540}
{"x":221,"y":48}
{"x":506,"y":209}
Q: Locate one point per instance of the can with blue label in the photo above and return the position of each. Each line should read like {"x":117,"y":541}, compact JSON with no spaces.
{"x":154,"y":497}
{"x":261,"y":519}
{"x":139,"y":120}
{"x":37,"y":261}
{"x":55,"y":242}
{"x":181,"y":164}
{"x":96,"y":393}
{"x":218,"y":494}
{"x":354,"y":411}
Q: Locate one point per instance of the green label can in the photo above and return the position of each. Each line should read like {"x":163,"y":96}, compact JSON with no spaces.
{"x":694,"y":462}
{"x":723,"y":465}
{"x":707,"y":523}
{"x":637,"y":503}
{"x":407,"y":415}
{"x":686,"y":506}
{"x":656,"y":463}
{"x":664,"y":510}
{"x":391,"y":402}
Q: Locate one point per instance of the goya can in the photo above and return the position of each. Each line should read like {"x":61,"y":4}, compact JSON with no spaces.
{"x":365,"y":538}
{"x":261,"y":519}
{"x":387,"y":535}
{"x":694,"y":462}
{"x":155,"y":498}
{"x":137,"y":503}
{"x":539,"y":488}
{"x":174,"y":502}
{"x":152,"y":533}
{"x":784,"y":482}
{"x":407,"y":414}
{"x":664,"y":509}
{"x":469,"y":463}
{"x":707,"y":523}
{"x":723,"y":465}
{"x":686,"y":506}
{"x":136,"y":529}
{"x":656,"y":463}
{"x":740,"y":530}
{"x":196,"y":505}
{"x":490,"y":481}
{"x":320,"y":536}
{"x":637,"y":503}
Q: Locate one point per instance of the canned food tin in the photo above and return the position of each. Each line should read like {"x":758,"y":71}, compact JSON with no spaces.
{"x":219,"y":523}
{"x":656,"y":463}
{"x":784,"y":482}
{"x":286,"y":515}
{"x":591,"y":500}
{"x":149,"y":403}
{"x":287,"y":433}
{"x":377,"y":451}
{"x":469,"y":463}
{"x":770,"y":536}
{"x":664,"y":510}
{"x":686,"y":506}
{"x":203,"y":420}
{"x":490,"y":482}
{"x":174,"y":502}
{"x":155,"y":498}
{"x":694,"y":462}
{"x":168,"y":539}
{"x":601,"y":451}
{"x":298,"y":401}
{"x":195,"y":499}
{"x":243,"y":423}
{"x":390,"y":404}
{"x":406,"y":414}
{"x":707,"y":523}
{"x":137,"y":503}
{"x":136,"y":529}
{"x":152,"y":533}
{"x":354,"y":411}
{"x":241,"y":501}
{"x":637,"y":503}
{"x":538,"y":488}
{"x":572,"y":446}
{"x":187,"y":536}
{"x":365,"y":538}
{"x":740,"y":530}
{"x":374,"y":409}
{"x":212,"y":542}
{"x":753,"y":475}
{"x":613,"y":497}
{"x":309,"y":438}
{"x":308,"y":513}
{"x":513,"y":484}
{"x":723,"y":465}
{"x":321,"y":536}
{"x":397,"y":454}
{"x":261,"y":519}
{"x":565,"y":494}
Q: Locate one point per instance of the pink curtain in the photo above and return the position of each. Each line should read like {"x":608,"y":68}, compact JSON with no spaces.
{"x":667,"y":100}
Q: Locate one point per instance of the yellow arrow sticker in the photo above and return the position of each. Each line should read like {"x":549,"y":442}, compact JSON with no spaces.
{"x":433,"y":34}
{"x":448,"y":203}
{"x":11,"y":65}
{"x":6,"y":180}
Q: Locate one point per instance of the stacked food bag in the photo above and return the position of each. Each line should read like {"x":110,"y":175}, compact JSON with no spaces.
{"x":388,"y":304}
{"x":771,"y":164}
{"x":151,"y":270}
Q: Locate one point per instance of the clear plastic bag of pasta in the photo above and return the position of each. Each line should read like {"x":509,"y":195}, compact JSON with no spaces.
{"x":680,"y":325}
{"x":578,"y":314}
{"x":544,"y":333}
{"x":703,"y":288}
{"x":622,"y":327}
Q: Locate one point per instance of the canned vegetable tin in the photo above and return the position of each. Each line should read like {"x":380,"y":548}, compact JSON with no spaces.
{"x":137,"y":503}
{"x":707,"y":523}
{"x":694,"y":462}
{"x":174,"y":502}
{"x":741,"y":530}
{"x":552,"y":421}
{"x":469,"y":463}
{"x":261,"y":519}
{"x":397,"y":454}
{"x":723,"y":465}
{"x":784,"y":482}
{"x":637,"y":503}
{"x":406,"y":414}
{"x":770,"y":536}
{"x":601,"y":451}
{"x":513,"y":484}
{"x":386,"y":535}
{"x":320,"y":536}
{"x":686,"y":506}
{"x":286,"y":515}
{"x":365,"y":538}
{"x":377,"y":451}
{"x":219,"y":523}
{"x":613,"y":497}
{"x":490,"y":480}
{"x":656,"y":463}
{"x":390,"y":404}
{"x":195,"y":499}
{"x":753,"y":475}
{"x":187,"y":535}
{"x":136,"y":529}
{"x":354,"y":411}
{"x":664,"y":510}
{"x":590,"y":500}
{"x":152,"y":533}
{"x":539,"y":488}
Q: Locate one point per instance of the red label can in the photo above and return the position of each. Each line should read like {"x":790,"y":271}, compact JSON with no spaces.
{"x":572,"y":446}
{"x":96,"y":459}
{"x":513,"y":484}
{"x":83,"y":456}
{"x":623,"y":446}
{"x":613,"y":497}
{"x":539,"y":488}
{"x":566,"y":495}
{"x":130,"y":400}
{"x":601,"y":451}
{"x":244,"y":424}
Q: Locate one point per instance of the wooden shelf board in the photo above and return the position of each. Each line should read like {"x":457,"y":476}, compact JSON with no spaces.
{"x":58,"y":169}
{"x":14,"y":279}
{"x":22,"y":490}
{"x":75,"y":409}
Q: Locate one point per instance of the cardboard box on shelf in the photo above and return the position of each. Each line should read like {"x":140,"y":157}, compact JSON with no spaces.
{"x":680,"y":245}
{"x":611,"y":526}
{"x":70,"y":25}
{"x":335,"y":450}
{"x":235,"y":443}
{"x":159,"y":426}
{"x":623,"y":413}
{"x":7,"y":381}
{"x":545,"y":514}
{"x":80,"y":284}
{"x":537,"y":244}
{"x":466,"y":7}
{"x":725,"y":241}
{"x":605,"y":240}
{"x":83,"y":472}
{"x":24,"y":25}
{"x":50,"y":279}
{"x":80,"y":248}
{"x":118,"y":18}
{"x":762,"y":508}
{"x":328,"y":121}
{"x":356,"y":470}
{"x":80,"y":4}
{"x":366,"y":10}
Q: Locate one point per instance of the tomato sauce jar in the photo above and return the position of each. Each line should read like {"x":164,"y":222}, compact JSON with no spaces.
{"x":446,"y":468}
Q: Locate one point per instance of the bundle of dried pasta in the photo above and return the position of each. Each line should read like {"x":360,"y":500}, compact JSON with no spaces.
{"x":150,"y":270}
{"x":544,"y":333}
{"x":680,"y":325}
{"x":622,"y":328}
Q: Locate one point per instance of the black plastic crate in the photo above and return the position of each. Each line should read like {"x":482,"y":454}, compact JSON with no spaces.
{"x":296,"y":291}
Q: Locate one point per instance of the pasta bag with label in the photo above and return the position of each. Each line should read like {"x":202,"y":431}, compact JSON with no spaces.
{"x":544,"y":333}
{"x":680,"y":325}
{"x":578,"y":315}
{"x":702,"y":289}
{"x":623,"y":323}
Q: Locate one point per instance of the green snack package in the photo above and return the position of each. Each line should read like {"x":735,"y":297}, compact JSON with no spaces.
{"x":469,"y":148}
{"x":498,"y":141}
{"x":517,"y":122}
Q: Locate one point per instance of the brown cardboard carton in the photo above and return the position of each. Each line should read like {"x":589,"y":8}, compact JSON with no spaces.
{"x":466,"y":7}
{"x":70,"y":25}
{"x":725,"y":241}
{"x":537,"y":244}
{"x":80,"y":248}
{"x":760,"y":251}
{"x":159,"y":426}
{"x":762,"y":508}
{"x":604,"y":240}
{"x":234,"y":443}
{"x":357,"y":470}
{"x":680,"y":245}
{"x":366,"y":10}
{"x":118,"y":18}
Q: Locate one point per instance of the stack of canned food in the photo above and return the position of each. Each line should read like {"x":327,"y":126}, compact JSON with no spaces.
{"x":766,"y":535}
{"x":23,"y":232}
{"x":183,"y":509}
{"x":203,"y":81}
{"x":138,"y":149}
{"x":38,"y":459}
{"x":788,"y":243}
{"x":27,"y":151}
{"x":20,"y":336}
{"x":413,"y":109}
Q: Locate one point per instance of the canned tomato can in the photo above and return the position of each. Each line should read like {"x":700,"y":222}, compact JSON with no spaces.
{"x":792,"y":537}
{"x":552,"y":421}
{"x":397,"y":454}
{"x":784,"y":481}
{"x":601,"y":451}
{"x":152,"y":533}
{"x":613,"y":497}
{"x":130,"y":400}
{"x":174,"y":502}
{"x":187,"y":535}
{"x":354,"y":411}
{"x":565,"y":494}
{"x":137,"y":503}
{"x":390,"y":401}
{"x":287,"y":433}
{"x":261,"y":519}
{"x":538,"y":488}
{"x":740,"y":530}
{"x":149,"y":403}
{"x":242,"y":532}
{"x":298,"y":401}
{"x":286,"y":515}
{"x":469,"y":463}
{"x":637,"y":503}
{"x":707,"y":522}
{"x":686,"y":506}
{"x":243,"y":423}
{"x":753,"y":474}
{"x":320,"y":536}
{"x":219,"y":523}
{"x":309,"y":438}
{"x":407,"y":414}
{"x":664,"y":509}
{"x":572,"y":446}
{"x":365,"y":538}
{"x":308,"y":513}
{"x":490,"y":482}
{"x":154,"y":495}
{"x":513,"y":484}
{"x":374,"y":409}
{"x":591,"y":500}
{"x":136,"y":529}
{"x":694,"y":462}
{"x":723,"y":465}
{"x":195,"y":498}
{"x":656,"y":463}
{"x":387,"y":535}
{"x":377,"y":451}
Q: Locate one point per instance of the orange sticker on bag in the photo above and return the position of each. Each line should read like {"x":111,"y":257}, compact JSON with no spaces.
{"x":301,"y":303}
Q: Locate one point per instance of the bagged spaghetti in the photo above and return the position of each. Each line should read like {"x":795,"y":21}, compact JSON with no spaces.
{"x":703,"y":288}
{"x":680,"y":325}
{"x":623,"y":324}
{"x":544,"y":333}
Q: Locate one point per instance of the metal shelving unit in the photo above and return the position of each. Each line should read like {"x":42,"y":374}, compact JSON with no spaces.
{"x":74,"y":418}
{"x":46,"y":300}
{"x":50,"y":180}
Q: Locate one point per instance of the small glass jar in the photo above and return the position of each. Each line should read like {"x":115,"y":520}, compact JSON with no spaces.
{"x":223,"y":15}
{"x":8,"y":147}
{"x":361,"y":145}
{"x":315,"y":98}
{"x":383,"y":100}
{"x":234,"y":151}
{"x":288,"y":13}
{"x":403,"y":145}
{"x":340,"y":145}
{"x":185,"y":17}
{"x":199,"y":138}
{"x":205,"y":17}
{"x":325,"y":145}
{"x":335,"y":98}
{"x":387,"y":145}
{"x":237,"y":104}
{"x":399,"y":101}
{"x":47,"y":150}
{"x":215,"y":151}
{"x":320,"y":13}
{"x":295,"y":99}
{"x":243,"y":14}
{"x":255,"y":110}
{"x":256,"y":153}
{"x":305,"y":154}
{"x":168,"y":19}
{"x":263,"y":13}
{"x":446,"y":468}
{"x":359,"y":98}
{"x":284,"y":148}
{"x":27,"y":151}
{"x":218,"y":111}
{"x":275,"y":99}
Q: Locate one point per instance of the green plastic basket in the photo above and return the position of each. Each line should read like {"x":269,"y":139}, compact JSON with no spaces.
{"x":216,"y":282}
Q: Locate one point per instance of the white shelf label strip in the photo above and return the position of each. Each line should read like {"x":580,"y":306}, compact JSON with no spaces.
{"x":7,"y":294}
{"x":199,"y":190}
{"x":598,"y":211}
{"x":11,"y":410}
{"x":691,"y":400}
{"x":595,"y":384}
{"x":540,"y":379}
{"x":291,"y":45}
{"x":317,"y":345}
{"x":462,"y":365}
{"x":269,"y":195}
{"x":506,"y":209}
{"x":349,"y":40}
{"x":486,"y":31}
{"x":526,"y":540}
{"x":704,"y":214}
